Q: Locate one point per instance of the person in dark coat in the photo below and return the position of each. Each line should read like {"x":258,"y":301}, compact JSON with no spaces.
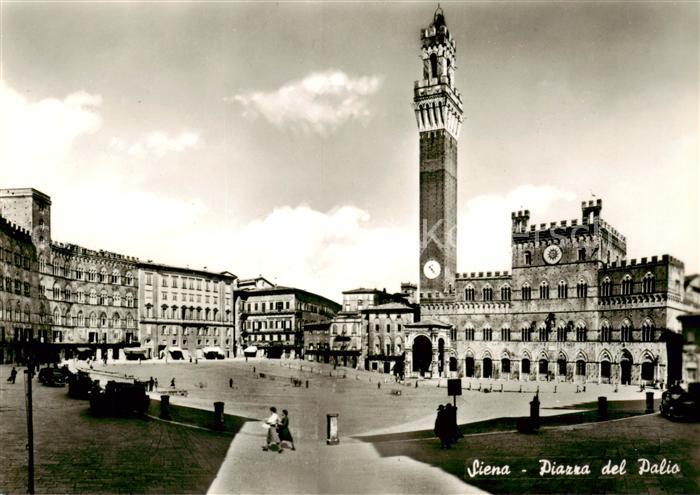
{"x":440,"y":428}
{"x":283,"y":430}
{"x":13,"y":375}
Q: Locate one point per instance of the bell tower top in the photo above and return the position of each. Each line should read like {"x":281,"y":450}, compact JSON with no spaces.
{"x":437,"y":102}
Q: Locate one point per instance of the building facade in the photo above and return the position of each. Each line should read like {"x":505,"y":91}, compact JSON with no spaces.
{"x":571,"y":308}
{"x":271,"y":320}
{"x":20,"y":297}
{"x":185,"y":312}
{"x":86,"y":299}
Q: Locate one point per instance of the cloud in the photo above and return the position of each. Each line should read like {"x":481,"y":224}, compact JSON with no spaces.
{"x":318,"y":103}
{"x":35,"y":137}
{"x":157,"y":143}
{"x":484,"y":235}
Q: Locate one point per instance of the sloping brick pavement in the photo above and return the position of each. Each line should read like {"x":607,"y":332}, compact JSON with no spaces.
{"x":78,"y":453}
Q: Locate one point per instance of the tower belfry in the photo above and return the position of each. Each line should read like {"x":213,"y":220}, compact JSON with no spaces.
{"x":438,"y":108}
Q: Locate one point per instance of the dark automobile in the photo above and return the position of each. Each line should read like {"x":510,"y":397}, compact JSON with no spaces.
{"x":80,"y":385}
{"x":119,"y":399}
{"x":676,"y":403}
{"x":52,"y":377}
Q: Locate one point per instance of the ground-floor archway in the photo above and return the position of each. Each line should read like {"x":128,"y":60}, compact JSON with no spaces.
{"x":626,"y":370}
{"x":469,"y":367}
{"x":453,"y":363}
{"x":648,"y":371}
{"x":487,"y":371}
{"x":422,"y":354}
{"x":605,"y":371}
{"x":505,"y":365}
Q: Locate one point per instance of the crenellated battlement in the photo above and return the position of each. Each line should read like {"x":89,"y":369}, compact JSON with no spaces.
{"x":483,"y":275}
{"x":74,"y":249}
{"x":654,"y":260}
{"x":14,"y":229}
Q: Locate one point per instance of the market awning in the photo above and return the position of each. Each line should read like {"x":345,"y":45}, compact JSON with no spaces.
{"x":342,"y":338}
{"x":251,"y":348}
{"x":136,"y":351}
{"x":83,"y":349}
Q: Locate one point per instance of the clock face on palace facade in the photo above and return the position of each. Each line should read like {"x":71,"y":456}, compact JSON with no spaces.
{"x":552,"y":254}
{"x":431,"y":269}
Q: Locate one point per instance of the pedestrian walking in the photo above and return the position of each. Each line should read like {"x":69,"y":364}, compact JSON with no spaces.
{"x":155,"y":383}
{"x":150,"y":384}
{"x":283,"y":430}
{"x":379,"y":385}
{"x":272,"y":440}
{"x":230,"y":383}
{"x":172,"y":382}
{"x":13,"y":375}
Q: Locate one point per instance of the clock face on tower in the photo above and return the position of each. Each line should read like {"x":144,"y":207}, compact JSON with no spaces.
{"x":431,"y":269}
{"x":552,"y":254}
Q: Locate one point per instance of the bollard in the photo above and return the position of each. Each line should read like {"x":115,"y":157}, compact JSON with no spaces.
{"x":218,"y":415}
{"x":164,"y":407}
{"x":650,"y":402}
{"x":307,"y":383}
{"x":416,"y":383}
{"x":555,"y":389}
{"x":332,"y":429}
{"x":602,"y":408}
{"x":535,"y":412}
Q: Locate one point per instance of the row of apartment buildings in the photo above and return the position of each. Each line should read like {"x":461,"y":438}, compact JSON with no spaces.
{"x":62,"y":300}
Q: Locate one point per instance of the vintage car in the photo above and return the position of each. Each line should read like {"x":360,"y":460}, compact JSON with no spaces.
{"x":52,"y":377}
{"x":119,"y":399}
{"x":677,"y":403}
{"x":80,"y":385}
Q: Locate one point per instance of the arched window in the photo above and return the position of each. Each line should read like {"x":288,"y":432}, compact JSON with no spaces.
{"x":544,"y":290}
{"x":582,"y":254}
{"x":505,"y":293}
{"x":606,"y":287}
{"x":129,"y":278}
{"x":526,"y":333}
{"x":103,"y":297}
{"x":648,"y":283}
{"x":56,"y":317}
{"x":581,"y":333}
{"x":505,"y":334}
{"x":605,"y":332}
{"x":56,"y":293}
{"x":129,"y":300}
{"x":103,"y":275}
{"x":68,"y":295}
{"x":647,"y":331}
{"x":582,"y":289}
{"x":469,"y":333}
{"x":469,"y":293}
{"x":81,"y":319}
{"x":433,"y":65}
{"x":116,"y":277}
{"x":129,"y":321}
{"x":527,"y":258}
{"x":116,"y":321}
{"x":93,"y":320}
{"x":526,"y":292}
{"x":103,"y":320}
{"x":93,"y":296}
{"x":561,"y":333}
{"x":562,"y":290}
{"x":488,"y":293}
{"x":626,"y":331}
{"x":627,"y":285}
{"x":487,"y":334}
{"x":117,"y":298}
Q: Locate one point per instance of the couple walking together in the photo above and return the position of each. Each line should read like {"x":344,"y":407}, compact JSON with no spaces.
{"x":278,"y":430}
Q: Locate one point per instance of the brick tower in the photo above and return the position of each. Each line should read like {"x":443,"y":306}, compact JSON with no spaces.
{"x":438,"y":107}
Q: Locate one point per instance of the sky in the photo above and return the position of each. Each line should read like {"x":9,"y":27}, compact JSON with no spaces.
{"x":279,"y":138}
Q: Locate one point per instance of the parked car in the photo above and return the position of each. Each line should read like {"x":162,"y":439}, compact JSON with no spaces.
{"x":52,"y":377}
{"x":677,"y":403}
{"x":119,"y":399}
{"x":80,"y":385}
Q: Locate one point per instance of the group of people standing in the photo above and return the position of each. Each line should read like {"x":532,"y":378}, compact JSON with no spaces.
{"x":278,"y":431}
{"x":446,"y":428}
